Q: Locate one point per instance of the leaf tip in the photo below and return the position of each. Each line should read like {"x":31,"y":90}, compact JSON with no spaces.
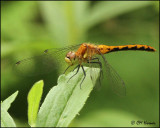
{"x":40,"y":82}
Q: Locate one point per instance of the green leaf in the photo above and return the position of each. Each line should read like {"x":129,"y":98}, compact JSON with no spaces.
{"x":6,"y":119}
{"x":7,"y":102}
{"x":64,"y":101}
{"x":34,"y":98}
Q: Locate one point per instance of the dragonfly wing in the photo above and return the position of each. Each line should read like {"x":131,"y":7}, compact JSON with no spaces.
{"x":37,"y":65}
{"x":48,"y":62}
{"x":116,"y":82}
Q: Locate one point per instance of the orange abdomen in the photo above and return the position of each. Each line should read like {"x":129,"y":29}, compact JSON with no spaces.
{"x":107,"y":49}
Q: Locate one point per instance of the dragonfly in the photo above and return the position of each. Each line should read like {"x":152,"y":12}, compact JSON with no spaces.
{"x":78,"y":56}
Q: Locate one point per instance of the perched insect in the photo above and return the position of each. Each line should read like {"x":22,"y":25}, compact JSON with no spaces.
{"x":85,"y":54}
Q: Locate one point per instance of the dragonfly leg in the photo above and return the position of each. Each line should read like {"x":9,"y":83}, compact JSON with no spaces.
{"x":101,"y":71}
{"x":75,"y":68}
{"x":84,"y":76}
{"x":75,"y":73}
{"x":66,"y":69}
{"x":100,"y":64}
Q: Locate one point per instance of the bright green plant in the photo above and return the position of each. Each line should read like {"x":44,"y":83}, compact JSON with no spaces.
{"x":61,"y":105}
{"x":34,"y":98}
{"x":64,"y":101}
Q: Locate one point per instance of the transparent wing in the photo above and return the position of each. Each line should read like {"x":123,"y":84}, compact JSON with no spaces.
{"x":68,"y":48}
{"x":45,"y":63}
{"x":117,"y":84}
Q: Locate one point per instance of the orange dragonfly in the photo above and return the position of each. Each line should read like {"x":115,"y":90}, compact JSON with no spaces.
{"x":77,"y":56}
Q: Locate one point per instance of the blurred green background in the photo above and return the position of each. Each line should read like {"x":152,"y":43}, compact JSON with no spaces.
{"x":28,"y":28}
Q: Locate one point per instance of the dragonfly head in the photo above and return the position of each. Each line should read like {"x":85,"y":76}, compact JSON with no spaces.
{"x":70,"y":58}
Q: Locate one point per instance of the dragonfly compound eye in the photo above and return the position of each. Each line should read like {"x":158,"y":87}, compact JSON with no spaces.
{"x":70,"y":57}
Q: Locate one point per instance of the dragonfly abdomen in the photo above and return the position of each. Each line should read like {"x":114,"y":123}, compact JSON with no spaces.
{"x":107,"y":49}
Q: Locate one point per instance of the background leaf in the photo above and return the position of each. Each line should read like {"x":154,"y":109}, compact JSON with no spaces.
{"x":34,"y":98}
{"x":107,"y":10}
{"x":64,"y":101}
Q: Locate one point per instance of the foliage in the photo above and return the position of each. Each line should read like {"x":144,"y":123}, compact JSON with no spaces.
{"x":64,"y":101}
{"x":61,"y":105}
{"x":34,"y":98}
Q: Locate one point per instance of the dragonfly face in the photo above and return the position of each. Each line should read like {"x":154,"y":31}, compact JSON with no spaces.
{"x":71,"y":58}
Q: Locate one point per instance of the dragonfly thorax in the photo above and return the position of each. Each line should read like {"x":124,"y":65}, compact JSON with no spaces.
{"x":71,"y":58}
